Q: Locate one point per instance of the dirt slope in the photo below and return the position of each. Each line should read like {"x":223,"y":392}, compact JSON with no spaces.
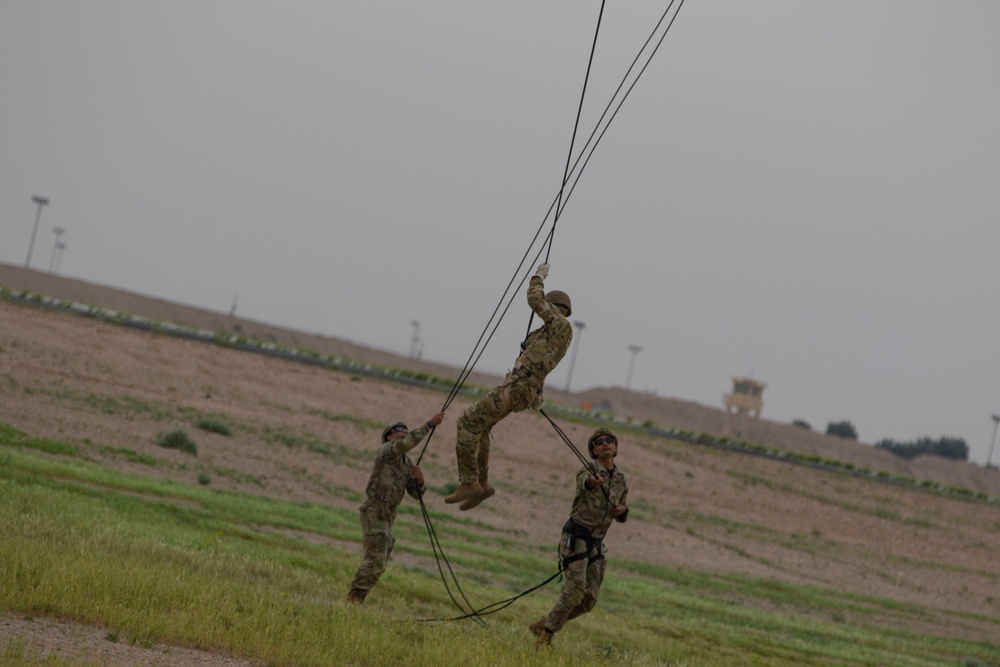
{"x":665,"y":411}
{"x":693,"y":506}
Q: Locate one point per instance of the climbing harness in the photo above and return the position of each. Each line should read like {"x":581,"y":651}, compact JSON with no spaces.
{"x":577,"y":532}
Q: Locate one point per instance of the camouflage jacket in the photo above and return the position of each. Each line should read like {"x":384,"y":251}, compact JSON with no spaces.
{"x":392,"y":475}
{"x":544,"y":347}
{"x":591,"y":508}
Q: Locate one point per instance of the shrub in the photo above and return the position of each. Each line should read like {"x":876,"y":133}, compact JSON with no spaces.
{"x":204,"y":479}
{"x":178,"y":439}
{"x":950,"y":448}
{"x":842,"y":429}
{"x":215,"y":426}
{"x":802,"y":423}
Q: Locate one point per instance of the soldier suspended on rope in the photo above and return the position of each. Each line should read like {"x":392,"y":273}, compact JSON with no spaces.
{"x":392,"y":475}
{"x":521,"y":389}
{"x":601,"y":494}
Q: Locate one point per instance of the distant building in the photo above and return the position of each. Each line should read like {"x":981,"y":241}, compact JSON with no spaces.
{"x":743,"y":407}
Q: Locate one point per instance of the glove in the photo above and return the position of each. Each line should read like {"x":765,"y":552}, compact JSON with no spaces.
{"x":542,"y":271}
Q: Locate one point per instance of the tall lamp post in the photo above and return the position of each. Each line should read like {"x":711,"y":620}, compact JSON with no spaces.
{"x":58,"y":231}
{"x":60,"y":246}
{"x":580,"y":326}
{"x":996,"y":422}
{"x":416,"y":349}
{"x":634,"y":349}
{"x":40,"y":201}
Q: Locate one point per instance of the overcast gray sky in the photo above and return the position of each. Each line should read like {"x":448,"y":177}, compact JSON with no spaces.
{"x":804,"y":192}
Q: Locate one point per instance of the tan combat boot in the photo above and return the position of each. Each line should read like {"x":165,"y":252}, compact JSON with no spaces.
{"x":464,"y":492}
{"x":543,"y":637}
{"x":469,"y":503}
{"x":356,"y":596}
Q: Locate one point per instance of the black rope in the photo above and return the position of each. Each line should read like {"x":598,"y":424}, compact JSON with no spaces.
{"x":579,"y":455}
{"x":503,"y":604}
{"x":562,"y":199}
{"x":576,"y":125}
{"x":569,"y":157}
{"x":558,"y":205}
{"x":604,"y":114}
{"x":496,"y":606}
{"x":440,"y":556}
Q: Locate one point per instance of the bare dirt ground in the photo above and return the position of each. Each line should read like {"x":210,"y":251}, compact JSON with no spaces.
{"x":693,"y":506}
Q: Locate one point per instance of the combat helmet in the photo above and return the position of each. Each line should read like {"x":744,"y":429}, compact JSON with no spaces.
{"x":560,"y":298}
{"x":389,"y":429}
{"x":598,"y":433}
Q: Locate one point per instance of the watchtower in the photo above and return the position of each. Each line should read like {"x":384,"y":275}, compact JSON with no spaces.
{"x":743,"y":406}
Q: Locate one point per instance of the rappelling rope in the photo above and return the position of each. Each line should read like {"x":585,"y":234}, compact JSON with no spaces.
{"x":436,"y":547}
{"x":569,"y":158}
{"x":502,"y":604}
{"x":562,"y":198}
{"x":579,"y":455}
{"x":439,"y":556}
{"x":496,"y":606}
{"x":558,"y":205}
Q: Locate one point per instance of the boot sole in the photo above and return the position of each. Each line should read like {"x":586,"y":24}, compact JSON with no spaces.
{"x":475,"y":500}
{"x":459,"y":497}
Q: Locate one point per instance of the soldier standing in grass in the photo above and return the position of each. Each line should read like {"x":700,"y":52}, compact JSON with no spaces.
{"x":521,"y":389}
{"x":393,"y":475}
{"x":601,"y":492}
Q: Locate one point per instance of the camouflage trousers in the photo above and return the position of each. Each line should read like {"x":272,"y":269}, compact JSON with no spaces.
{"x":376,"y":541}
{"x":472,"y":447}
{"x":581,"y":584}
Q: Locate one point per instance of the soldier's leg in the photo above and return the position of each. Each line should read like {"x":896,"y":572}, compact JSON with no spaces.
{"x":505,"y":399}
{"x":486,"y":491}
{"x":595,"y":577}
{"x":478,"y":417}
{"x":574,"y":585}
{"x":377,"y":544}
{"x":476,"y":421}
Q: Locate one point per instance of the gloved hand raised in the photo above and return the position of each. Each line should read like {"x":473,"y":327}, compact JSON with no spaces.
{"x":542,"y":271}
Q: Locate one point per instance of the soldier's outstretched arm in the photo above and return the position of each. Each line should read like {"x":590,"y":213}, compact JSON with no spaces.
{"x":413,"y":438}
{"x":435,"y":420}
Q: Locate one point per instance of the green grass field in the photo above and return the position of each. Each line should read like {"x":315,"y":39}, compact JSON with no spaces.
{"x":156,"y":562}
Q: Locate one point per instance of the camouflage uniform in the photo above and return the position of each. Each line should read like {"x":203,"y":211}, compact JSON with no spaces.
{"x":543,"y":349}
{"x":390,"y":478}
{"x":581,"y":547}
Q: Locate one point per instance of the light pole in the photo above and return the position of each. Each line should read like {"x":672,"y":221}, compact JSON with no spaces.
{"x":40,"y":201}
{"x":996,"y":422}
{"x":580,"y":326}
{"x":60,"y":246}
{"x":415,"y":348}
{"x":58,"y":231}
{"x":634,"y":349}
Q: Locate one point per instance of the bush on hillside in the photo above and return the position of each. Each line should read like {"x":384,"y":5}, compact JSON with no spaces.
{"x":178,"y":439}
{"x":949,"y":448}
{"x":215,"y":426}
{"x":842,"y":429}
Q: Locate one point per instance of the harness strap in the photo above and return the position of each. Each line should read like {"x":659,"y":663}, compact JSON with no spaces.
{"x":578,"y":532}
{"x":524,"y":374}
{"x":519,"y":374}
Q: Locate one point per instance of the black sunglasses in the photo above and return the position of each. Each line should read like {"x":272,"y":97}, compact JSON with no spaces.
{"x":605,"y":439}
{"x":397,"y":429}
